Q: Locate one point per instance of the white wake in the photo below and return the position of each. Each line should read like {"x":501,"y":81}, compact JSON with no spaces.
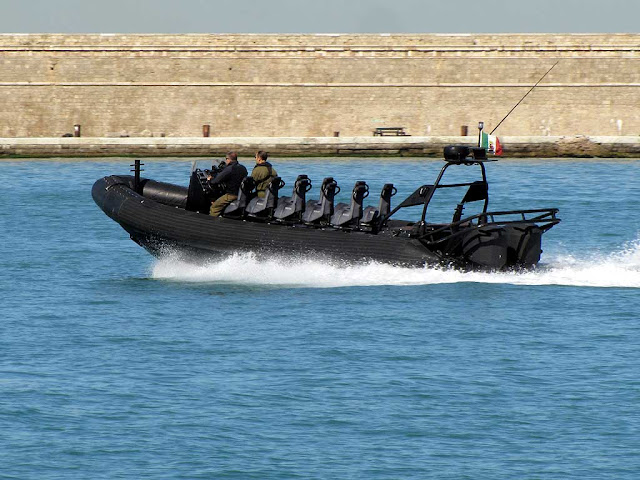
{"x":617,"y":269}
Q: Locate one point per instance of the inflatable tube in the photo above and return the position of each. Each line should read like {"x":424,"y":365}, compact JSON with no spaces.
{"x":165,"y":193}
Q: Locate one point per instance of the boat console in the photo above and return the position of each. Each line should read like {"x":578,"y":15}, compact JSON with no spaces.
{"x":201,"y":193}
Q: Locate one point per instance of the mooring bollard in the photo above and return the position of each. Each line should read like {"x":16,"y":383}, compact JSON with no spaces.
{"x":464,"y":130}
{"x":336,"y":134}
{"x":206,"y":130}
{"x":76,"y":130}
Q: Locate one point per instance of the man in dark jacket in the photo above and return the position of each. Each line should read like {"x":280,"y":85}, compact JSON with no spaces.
{"x":231,"y":177}
{"x":263,"y":173}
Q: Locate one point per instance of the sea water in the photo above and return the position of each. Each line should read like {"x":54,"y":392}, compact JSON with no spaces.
{"x":117,"y":365}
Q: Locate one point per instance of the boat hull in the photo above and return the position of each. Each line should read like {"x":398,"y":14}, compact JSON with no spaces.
{"x":162,"y":228}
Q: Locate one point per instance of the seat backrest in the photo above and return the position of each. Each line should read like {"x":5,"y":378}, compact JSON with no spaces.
{"x":322,"y":209}
{"x":388,"y":191}
{"x":360,"y":192}
{"x":352,"y":213}
{"x":295,"y":204}
{"x":372,"y":216}
{"x":272,"y":192}
{"x":245,"y":193}
{"x":300,"y":189}
{"x":328,"y":193}
{"x":264,"y":206}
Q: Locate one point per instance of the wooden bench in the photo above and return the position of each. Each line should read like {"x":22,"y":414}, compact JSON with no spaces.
{"x":381,"y":131}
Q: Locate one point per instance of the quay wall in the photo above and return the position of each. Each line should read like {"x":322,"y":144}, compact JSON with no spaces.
{"x":318,"y":85}
{"x":85,"y":147}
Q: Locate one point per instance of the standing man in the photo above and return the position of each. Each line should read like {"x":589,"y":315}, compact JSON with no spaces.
{"x":263,"y":173}
{"x":231,"y":177}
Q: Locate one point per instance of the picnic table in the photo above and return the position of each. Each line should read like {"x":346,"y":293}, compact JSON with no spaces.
{"x":381,"y":131}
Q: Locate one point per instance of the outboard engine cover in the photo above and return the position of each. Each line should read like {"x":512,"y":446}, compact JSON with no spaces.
{"x":320,"y":211}
{"x":247,"y":191}
{"x":263,"y":207}
{"x":486,"y":246}
{"x":350,"y":214}
{"x":524,"y":245}
{"x":292,"y":208}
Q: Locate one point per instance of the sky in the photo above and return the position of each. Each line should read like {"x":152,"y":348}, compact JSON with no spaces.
{"x":319,"y":16}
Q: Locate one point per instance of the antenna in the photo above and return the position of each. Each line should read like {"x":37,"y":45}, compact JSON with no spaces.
{"x":525,"y":95}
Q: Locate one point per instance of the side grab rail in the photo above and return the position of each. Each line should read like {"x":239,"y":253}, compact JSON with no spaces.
{"x":545,"y":214}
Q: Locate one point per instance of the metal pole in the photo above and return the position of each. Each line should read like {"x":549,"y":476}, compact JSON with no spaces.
{"x":480,"y":128}
{"x":136,"y":178}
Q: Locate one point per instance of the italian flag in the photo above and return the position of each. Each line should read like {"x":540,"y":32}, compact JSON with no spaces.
{"x":491,"y":143}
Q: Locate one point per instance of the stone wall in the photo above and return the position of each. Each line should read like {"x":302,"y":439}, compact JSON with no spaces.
{"x":315,"y":85}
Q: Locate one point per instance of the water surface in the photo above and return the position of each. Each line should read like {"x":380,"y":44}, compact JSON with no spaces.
{"x":116,"y":365}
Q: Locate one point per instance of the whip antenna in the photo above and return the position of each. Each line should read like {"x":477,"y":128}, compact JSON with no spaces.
{"x":525,"y":95}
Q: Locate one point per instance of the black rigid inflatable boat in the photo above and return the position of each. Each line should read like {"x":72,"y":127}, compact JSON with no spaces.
{"x":164,"y":217}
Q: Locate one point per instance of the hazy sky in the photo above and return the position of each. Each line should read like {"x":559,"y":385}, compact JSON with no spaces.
{"x":319,"y":16}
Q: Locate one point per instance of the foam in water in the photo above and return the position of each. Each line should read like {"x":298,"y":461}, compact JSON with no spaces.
{"x":618,"y":269}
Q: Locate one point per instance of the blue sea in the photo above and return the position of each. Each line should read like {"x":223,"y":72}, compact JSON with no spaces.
{"x":114,"y":364}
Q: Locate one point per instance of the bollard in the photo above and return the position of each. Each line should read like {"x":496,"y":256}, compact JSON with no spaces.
{"x":206,"y":130}
{"x":464,"y":130}
{"x":336,"y":134}
{"x":76,"y":130}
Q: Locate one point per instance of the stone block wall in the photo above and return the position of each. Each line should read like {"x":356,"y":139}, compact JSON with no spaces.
{"x":315,"y":85}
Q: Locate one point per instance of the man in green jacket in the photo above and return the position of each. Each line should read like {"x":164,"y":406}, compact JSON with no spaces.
{"x":263,"y":173}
